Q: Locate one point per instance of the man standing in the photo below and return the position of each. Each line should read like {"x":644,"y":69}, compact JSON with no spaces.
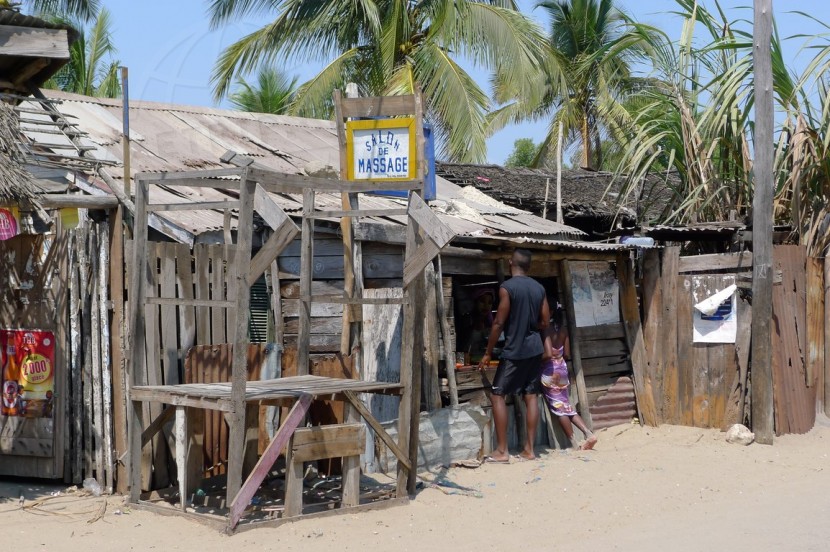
{"x":522,"y":314}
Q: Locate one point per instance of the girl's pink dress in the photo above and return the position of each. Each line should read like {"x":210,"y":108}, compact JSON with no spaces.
{"x":557,"y":395}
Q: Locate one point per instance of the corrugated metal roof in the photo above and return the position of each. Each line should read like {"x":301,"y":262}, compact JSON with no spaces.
{"x":173,"y":138}
{"x":563,"y":244}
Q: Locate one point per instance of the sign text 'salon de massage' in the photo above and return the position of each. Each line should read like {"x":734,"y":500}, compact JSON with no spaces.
{"x":381,"y":149}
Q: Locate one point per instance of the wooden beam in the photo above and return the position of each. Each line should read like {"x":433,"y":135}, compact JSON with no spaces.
{"x":306,"y":273}
{"x":670,"y":377}
{"x":282,"y":183}
{"x":59,"y":201}
{"x":248,"y":490}
{"x":719,"y":261}
{"x":237,"y":285}
{"x":358,"y":213}
{"x":191,"y":178}
{"x":439,"y":233}
{"x":378,"y":428}
{"x":446,"y":334}
{"x":267,"y":208}
{"x":653,"y":324}
{"x":762,"y":219}
{"x":383,"y":106}
{"x":630,"y":310}
{"x":269,"y":252}
{"x":137,"y":341}
{"x":156,"y":425}
{"x":193,"y":206}
{"x":566,"y":292}
{"x":330,"y":441}
{"x":34,"y":42}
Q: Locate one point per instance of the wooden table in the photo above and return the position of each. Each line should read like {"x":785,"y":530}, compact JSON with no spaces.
{"x":298,"y":391}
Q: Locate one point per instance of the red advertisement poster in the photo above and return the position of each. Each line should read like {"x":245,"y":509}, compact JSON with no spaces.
{"x":28,"y":377}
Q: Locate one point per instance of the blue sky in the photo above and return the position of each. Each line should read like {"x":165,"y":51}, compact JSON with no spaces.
{"x":170,"y":49}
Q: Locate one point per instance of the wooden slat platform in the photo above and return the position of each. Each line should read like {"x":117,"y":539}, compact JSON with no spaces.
{"x":217,"y":396}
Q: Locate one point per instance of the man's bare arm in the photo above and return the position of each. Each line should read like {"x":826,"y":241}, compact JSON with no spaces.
{"x":502,"y":313}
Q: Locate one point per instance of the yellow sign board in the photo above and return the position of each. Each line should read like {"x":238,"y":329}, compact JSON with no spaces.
{"x":381,"y":149}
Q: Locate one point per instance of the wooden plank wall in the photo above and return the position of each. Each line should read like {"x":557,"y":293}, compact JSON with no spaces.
{"x":59,"y":283}
{"x":709,"y":386}
{"x":176,"y":270}
{"x":706,"y":373}
{"x":794,"y":394}
{"x":29,"y":299}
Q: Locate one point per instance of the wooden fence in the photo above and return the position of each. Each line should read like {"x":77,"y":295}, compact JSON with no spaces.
{"x":60,"y":284}
{"x":709,"y":384}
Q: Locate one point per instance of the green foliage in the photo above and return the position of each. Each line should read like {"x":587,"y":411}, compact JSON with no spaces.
{"x":583,"y":81}
{"x":272,"y":93}
{"x":91,"y":70}
{"x":390,"y":47}
{"x":693,"y":118}
{"x":81,"y":10}
{"x":523,"y":155}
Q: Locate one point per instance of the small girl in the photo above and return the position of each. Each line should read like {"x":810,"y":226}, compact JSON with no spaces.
{"x":555,"y":381}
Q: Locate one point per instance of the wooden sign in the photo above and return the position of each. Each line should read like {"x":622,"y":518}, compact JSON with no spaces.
{"x":381,"y":149}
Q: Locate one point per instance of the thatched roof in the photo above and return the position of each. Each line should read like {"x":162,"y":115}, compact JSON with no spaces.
{"x":587,"y":196}
{"x":16,"y":183}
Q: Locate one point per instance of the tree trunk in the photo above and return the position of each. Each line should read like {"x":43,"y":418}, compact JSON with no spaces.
{"x":586,"y":143}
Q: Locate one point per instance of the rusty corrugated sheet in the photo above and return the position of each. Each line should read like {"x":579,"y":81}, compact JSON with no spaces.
{"x":212,"y":364}
{"x":617,"y":406}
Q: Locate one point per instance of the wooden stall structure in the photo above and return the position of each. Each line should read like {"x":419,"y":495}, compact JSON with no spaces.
{"x":426,"y":235}
{"x":578,"y":275}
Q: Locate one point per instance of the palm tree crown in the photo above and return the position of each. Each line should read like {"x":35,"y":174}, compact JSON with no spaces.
{"x":590,"y":47}
{"x":272,"y":93}
{"x":84,"y":10}
{"x":391,"y":47}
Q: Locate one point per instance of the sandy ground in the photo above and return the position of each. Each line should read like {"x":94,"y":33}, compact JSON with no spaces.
{"x":642,"y":489}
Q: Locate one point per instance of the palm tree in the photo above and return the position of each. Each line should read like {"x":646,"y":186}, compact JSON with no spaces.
{"x":391,"y":47}
{"x":694,"y":118}
{"x":91,"y":71}
{"x":84,"y":10}
{"x":272,"y":93}
{"x":589,"y":51}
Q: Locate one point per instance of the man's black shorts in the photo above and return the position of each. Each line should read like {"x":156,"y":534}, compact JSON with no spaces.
{"x":519,"y":376}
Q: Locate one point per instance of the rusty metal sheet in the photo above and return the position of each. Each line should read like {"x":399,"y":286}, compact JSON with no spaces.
{"x":617,"y":406}
{"x":212,"y":364}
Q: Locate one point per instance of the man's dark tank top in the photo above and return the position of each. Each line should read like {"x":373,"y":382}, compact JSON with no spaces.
{"x":521,"y":331}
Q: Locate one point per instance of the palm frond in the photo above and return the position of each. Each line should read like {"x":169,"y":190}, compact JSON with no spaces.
{"x":457,"y":102}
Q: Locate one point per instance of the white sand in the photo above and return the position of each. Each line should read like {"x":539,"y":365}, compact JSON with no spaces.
{"x":671,"y":488}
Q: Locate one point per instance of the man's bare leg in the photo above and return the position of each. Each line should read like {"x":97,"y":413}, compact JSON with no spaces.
{"x":532,"y":404}
{"x":500,"y":419}
{"x":590,"y":438}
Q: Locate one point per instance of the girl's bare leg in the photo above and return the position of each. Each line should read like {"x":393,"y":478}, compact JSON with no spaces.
{"x":590,"y":438}
{"x":567,"y":427}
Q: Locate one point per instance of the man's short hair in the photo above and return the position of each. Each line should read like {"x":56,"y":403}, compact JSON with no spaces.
{"x":521,"y":258}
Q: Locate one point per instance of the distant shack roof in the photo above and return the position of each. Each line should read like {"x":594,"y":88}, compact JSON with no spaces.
{"x":585,"y":194}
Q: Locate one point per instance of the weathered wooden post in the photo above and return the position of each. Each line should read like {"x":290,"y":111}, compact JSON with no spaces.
{"x":762,"y":218}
